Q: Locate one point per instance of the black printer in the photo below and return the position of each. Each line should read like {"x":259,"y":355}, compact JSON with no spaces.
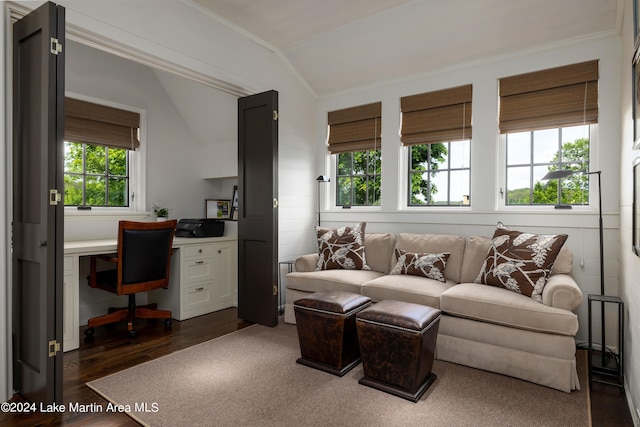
{"x":201,"y":227}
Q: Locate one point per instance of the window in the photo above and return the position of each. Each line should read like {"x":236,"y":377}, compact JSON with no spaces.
{"x":439,"y":174}
{"x":436,"y":131}
{"x":547,"y":118}
{"x":355,"y":139}
{"x":95,"y":175}
{"x":531,"y":154}
{"x":358,"y":178}
{"x":100,"y":143}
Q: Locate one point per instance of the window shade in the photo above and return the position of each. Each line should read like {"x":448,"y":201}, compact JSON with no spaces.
{"x":439,"y":116}
{"x":100,"y":125}
{"x":550,"y":98}
{"x":355,"y":129}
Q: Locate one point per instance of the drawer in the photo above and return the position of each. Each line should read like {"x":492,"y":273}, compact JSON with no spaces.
{"x":193,"y":251}
{"x":68,"y":264}
{"x":197,"y":270}
{"x":197,"y":299}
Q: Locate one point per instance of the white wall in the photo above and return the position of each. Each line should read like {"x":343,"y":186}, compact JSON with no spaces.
{"x":581,"y":224}
{"x":629,"y":262}
{"x":172,"y":153}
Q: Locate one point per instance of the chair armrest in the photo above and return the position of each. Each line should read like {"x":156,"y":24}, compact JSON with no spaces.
{"x":306,"y":263}
{"x":562,"y":291}
{"x":93,"y":270}
{"x":109,"y":258}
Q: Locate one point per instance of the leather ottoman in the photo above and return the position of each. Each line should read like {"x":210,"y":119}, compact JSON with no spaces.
{"x":397,"y":343}
{"x":327,"y":330}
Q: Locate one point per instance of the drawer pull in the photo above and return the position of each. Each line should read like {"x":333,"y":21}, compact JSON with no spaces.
{"x":199,"y":262}
{"x":219,"y":251}
{"x":199,"y":251}
{"x":199,"y":289}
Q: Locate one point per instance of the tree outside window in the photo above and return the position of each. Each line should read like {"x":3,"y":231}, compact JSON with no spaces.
{"x":531,"y":154}
{"x":439,"y":174}
{"x":358,"y":178}
{"x":95,"y":175}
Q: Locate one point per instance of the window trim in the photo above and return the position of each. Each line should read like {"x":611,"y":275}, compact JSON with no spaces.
{"x":406,"y":167}
{"x":501,"y":191}
{"x":334,"y":157}
{"x":137,"y":166}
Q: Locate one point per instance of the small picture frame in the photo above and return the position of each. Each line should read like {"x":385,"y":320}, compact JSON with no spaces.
{"x":636,"y":22}
{"x":636,"y":206}
{"x":234,"y":204}
{"x":218,"y":209}
{"x":635,"y":72}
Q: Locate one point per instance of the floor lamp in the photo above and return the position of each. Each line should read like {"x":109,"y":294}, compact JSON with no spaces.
{"x":319,"y":180}
{"x":558,"y":174}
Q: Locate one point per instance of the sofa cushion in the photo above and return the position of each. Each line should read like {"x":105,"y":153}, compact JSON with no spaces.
{"x":330,"y":280}
{"x":502,"y":307}
{"x":341,"y":248}
{"x":475,"y":252}
{"x":416,"y":289}
{"x":378,"y":249}
{"x":421,"y":264}
{"x":520,"y":262}
{"x":435,"y":243}
{"x":477,"y":247}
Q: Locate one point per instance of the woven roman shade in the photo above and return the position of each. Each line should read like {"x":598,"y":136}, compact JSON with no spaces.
{"x":439,"y":116}
{"x":355,"y":129}
{"x":100,"y":125}
{"x":563,"y":96}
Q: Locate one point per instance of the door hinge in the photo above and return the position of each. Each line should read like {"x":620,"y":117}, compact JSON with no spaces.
{"x":275,"y":290}
{"x":56,"y":46}
{"x":275,"y":114}
{"x":275,"y":203}
{"x":54,"y":348}
{"x":54,"y":197}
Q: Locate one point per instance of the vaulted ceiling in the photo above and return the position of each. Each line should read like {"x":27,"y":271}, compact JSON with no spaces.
{"x":336,"y":45}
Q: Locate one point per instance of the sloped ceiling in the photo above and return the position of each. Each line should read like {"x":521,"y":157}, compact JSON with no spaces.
{"x":337,"y":45}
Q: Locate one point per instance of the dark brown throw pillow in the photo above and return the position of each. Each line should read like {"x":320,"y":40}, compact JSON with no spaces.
{"x":421,"y":264}
{"x":341,"y":248}
{"x":520,"y":262}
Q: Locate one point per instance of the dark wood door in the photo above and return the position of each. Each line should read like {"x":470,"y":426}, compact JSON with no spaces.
{"x":258,"y":211}
{"x":38,"y":131}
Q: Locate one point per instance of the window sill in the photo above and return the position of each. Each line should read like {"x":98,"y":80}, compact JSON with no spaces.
{"x":97,"y":213}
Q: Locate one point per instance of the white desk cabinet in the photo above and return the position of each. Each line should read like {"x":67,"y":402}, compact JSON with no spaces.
{"x":71,"y":331}
{"x":204,"y":279}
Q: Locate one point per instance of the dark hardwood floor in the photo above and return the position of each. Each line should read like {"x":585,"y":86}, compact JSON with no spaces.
{"x":111,"y":351}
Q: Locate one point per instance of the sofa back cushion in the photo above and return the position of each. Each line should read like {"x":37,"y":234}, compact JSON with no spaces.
{"x":477,"y":247}
{"x":435,"y":243}
{"x":378,"y":249}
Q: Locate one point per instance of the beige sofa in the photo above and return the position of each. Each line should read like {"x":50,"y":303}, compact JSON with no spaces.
{"x":482,"y":326}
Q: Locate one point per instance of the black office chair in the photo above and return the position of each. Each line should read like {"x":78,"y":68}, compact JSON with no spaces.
{"x":143,"y":263}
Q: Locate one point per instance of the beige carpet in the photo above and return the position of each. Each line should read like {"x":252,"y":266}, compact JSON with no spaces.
{"x":250,"y":378}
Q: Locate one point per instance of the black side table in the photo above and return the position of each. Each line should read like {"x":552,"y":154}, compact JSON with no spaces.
{"x":289,"y":265}
{"x":603,"y":369}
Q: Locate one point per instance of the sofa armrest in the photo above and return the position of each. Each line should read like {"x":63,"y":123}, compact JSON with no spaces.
{"x":562,"y":291}
{"x":306,"y":263}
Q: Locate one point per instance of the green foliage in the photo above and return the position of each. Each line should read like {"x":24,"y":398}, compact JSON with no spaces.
{"x":574,"y":189}
{"x":425,"y":162}
{"x":160,"y":212}
{"x":95,"y":175}
{"x":359,"y":178}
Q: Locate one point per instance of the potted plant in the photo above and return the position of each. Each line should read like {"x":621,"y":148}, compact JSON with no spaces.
{"x":162,"y":214}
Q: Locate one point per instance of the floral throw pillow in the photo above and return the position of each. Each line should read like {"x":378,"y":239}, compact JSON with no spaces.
{"x":421,"y":264}
{"x":341,"y":248}
{"x":520,"y":262}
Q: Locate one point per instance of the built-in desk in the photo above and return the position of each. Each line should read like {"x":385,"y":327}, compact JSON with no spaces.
{"x":204,"y":278}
